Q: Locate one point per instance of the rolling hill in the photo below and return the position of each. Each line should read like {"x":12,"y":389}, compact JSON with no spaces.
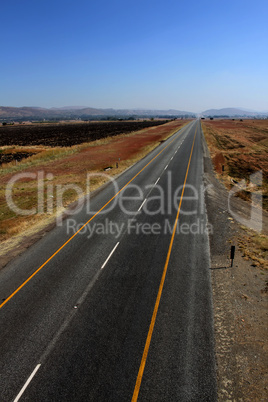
{"x":74,"y":112}
{"x":230,"y":112}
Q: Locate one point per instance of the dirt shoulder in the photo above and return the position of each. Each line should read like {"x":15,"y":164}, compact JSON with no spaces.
{"x":239,"y":298}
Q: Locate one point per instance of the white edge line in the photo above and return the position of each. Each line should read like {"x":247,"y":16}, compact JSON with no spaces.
{"x":142,"y":205}
{"x":109,"y":256}
{"x":27,"y":383}
{"x":157,"y":181}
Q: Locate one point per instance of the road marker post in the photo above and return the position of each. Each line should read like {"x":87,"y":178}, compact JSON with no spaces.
{"x":232,"y":254}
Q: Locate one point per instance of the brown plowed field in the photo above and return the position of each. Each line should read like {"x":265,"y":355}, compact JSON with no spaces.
{"x":66,"y":135}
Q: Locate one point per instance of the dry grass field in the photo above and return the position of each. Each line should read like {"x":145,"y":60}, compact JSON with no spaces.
{"x":242,"y":148}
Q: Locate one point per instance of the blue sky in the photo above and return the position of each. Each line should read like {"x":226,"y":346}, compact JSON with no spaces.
{"x":187,"y":55}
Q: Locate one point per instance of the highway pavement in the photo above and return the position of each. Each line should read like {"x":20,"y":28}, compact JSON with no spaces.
{"x":115,"y":303}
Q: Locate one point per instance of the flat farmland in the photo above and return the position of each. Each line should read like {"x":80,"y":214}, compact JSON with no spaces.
{"x":60,"y":135}
{"x":67,"y":165}
{"x":66,"y":134}
{"x":239,"y":149}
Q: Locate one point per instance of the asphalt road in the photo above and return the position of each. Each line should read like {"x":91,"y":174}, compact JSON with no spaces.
{"x":123,"y":309}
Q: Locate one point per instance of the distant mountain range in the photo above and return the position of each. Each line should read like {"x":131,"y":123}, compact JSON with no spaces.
{"x":84,"y":113}
{"x":69,"y":112}
{"x":232,"y":112}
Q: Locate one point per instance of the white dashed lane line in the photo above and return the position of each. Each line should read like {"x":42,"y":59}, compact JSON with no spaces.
{"x":110,"y":255}
{"x":27,"y":383}
{"x":142,"y":205}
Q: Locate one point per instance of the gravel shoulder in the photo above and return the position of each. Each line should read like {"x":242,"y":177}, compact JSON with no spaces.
{"x":239,"y":298}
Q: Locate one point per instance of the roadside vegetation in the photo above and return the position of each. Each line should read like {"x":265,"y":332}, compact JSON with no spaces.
{"x":254,"y":246}
{"x":239,"y":149}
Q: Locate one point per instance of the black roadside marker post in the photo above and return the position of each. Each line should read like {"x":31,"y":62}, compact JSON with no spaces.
{"x":232,"y":255}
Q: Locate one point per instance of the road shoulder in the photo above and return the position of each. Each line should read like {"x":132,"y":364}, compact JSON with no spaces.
{"x":239,"y":299}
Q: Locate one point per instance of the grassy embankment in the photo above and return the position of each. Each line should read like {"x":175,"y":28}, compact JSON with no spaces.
{"x":242,"y":148}
{"x":69,"y":165}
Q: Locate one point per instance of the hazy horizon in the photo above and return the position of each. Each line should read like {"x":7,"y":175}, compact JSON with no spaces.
{"x":180,"y":55}
{"x":136,"y":108}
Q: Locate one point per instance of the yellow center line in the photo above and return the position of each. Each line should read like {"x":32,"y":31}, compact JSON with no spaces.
{"x":75,"y":234}
{"x":151,"y":328}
